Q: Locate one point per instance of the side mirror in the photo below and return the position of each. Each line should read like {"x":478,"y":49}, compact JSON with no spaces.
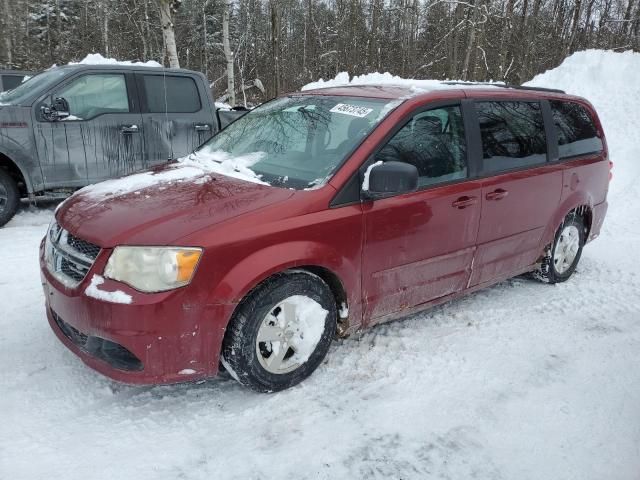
{"x":58,"y":110}
{"x":389,"y":178}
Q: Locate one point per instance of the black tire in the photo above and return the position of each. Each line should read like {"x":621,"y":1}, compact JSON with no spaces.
{"x":9,"y":197}
{"x":548,"y":271}
{"x":239,"y":349}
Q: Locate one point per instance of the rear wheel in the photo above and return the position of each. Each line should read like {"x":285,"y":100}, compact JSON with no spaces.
{"x":9,"y":197}
{"x":562,"y":257}
{"x":281,"y":332}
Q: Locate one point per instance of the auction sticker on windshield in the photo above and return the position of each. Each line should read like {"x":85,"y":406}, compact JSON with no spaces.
{"x":353,"y":110}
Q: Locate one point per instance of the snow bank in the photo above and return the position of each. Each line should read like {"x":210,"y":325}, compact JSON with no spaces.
{"x":97,"y":59}
{"x":195,"y":167}
{"x":116,"y":296}
{"x":611,"y":82}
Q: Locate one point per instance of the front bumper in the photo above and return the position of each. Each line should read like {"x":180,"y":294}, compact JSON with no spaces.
{"x":158,"y":338}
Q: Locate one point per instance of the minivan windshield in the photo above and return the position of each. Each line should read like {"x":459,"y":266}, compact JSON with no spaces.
{"x":31,"y":86}
{"x":299,"y":141}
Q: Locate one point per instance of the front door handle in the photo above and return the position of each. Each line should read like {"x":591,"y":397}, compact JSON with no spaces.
{"x":464,"y":202}
{"x":205,"y":127}
{"x":129,"y":129}
{"x":497,"y":194}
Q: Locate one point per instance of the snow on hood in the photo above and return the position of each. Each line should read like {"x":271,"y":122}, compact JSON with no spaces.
{"x":97,"y":59}
{"x":376,"y":78}
{"x":195,"y":167}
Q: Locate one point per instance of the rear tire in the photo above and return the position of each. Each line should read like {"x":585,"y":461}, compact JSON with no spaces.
{"x":281,"y":332}
{"x":9,"y":197}
{"x":562,"y":257}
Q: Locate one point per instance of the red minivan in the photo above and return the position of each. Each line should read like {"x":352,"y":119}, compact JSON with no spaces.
{"x":317,"y":214}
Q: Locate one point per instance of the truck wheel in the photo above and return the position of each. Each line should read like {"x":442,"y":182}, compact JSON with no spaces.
{"x":9,"y":197}
{"x":562,"y":257}
{"x":280,"y":332}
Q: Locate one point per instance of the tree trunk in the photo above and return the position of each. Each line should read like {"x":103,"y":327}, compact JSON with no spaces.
{"x":228,"y":54}
{"x":472,"y":37}
{"x":275,"y":44}
{"x":8,"y":20}
{"x":168,"y":32}
{"x":105,"y":29}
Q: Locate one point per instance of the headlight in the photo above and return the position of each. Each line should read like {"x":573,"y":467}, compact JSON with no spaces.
{"x":153,"y":269}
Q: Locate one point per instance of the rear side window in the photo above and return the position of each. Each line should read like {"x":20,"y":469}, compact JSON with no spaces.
{"x":512,"y":135}
{"x":9,"y":82}
{"x":577,"y":134}
{"x":171,"y":94}
{"x":433,"y":142}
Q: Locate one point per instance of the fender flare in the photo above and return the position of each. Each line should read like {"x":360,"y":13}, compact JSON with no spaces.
{"x":573,"y":201}
{"x":14,"y":154}
{"x":264,"y":263}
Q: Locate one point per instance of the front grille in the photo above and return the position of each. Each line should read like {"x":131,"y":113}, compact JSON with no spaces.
{"x":68,"y":257}
{"x":113,"y":353}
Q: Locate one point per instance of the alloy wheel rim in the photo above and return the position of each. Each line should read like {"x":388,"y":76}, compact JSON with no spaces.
{"x":566,"y":249}
{"x":279,"y":337}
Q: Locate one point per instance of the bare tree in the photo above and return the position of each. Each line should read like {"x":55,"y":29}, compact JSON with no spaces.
{"x":228,"y":53}
{"x":167,"y":9}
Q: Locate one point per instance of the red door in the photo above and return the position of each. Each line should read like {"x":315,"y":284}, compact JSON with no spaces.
{"x":420,"y":246}
{"x":516,"y":209}
{"x":516,"y":205}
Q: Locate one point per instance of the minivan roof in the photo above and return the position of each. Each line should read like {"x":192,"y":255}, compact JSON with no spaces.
{"x":405,"y":91}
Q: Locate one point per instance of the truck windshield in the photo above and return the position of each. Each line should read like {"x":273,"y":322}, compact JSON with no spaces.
{"x":31,"y":87}
{"x":300,"y":140}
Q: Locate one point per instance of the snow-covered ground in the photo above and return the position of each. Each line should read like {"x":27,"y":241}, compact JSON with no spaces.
{"x":520,"y":381}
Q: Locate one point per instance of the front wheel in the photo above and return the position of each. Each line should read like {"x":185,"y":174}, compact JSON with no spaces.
{"x":9,"y":197}
{"x":281,"y":332}
{"x":561,"y":259}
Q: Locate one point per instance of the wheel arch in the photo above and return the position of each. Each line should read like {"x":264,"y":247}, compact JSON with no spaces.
{"x":340,"y":275}
{"x":17,"y":173}
{"x":579,"y":204}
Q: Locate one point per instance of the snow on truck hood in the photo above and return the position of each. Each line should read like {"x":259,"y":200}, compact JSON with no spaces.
{"x":159,"y":206}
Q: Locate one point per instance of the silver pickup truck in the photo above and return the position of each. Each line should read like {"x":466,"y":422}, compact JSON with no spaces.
{"x":75,"y":125}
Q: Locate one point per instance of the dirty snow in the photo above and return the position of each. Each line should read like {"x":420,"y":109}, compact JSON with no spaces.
{"x":195,"y":167}
{"x":116,"y":296}
{"x":520,"y":381}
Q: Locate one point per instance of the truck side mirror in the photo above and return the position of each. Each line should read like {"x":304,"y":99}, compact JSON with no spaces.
{"x":58,"y":110}
{"x":388,"y":179}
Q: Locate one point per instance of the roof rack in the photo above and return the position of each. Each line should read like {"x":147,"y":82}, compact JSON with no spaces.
{"x":505,"y":85}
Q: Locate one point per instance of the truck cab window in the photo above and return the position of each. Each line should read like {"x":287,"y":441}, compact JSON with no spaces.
{"x":95,"y":94}
{"x":432,"y":141}
{"x":171,"y":94}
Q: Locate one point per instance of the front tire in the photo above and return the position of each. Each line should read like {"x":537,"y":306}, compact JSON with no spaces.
{"x":561,"y":258}
{"x":281,"y":332}
{"x":9,"y":197}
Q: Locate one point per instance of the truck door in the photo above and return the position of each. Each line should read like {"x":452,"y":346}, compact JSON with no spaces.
{"x":176,"y":113}
{"x":102,"y":138}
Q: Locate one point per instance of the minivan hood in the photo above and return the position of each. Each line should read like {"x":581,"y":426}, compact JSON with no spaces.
{"x":163,"y":212}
